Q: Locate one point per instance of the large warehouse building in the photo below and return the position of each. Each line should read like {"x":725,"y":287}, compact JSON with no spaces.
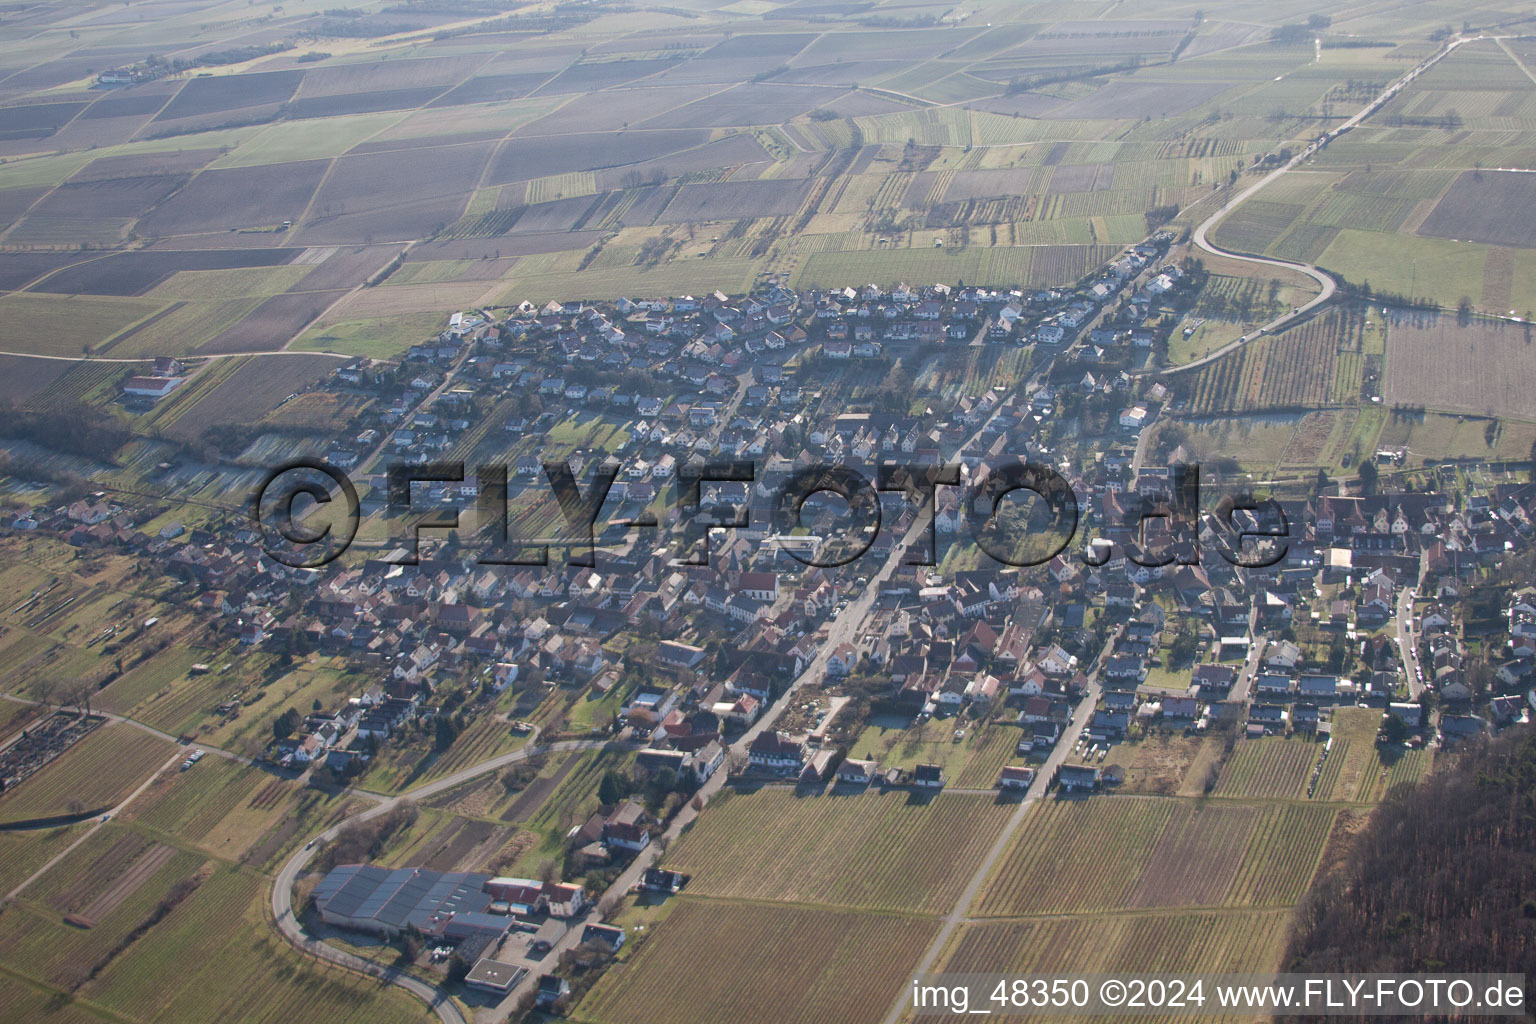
{"x":385,"y":901}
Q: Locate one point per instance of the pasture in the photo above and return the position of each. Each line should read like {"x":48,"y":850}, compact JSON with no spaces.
{"x":819,"y":958}
{"x":882,"y":851}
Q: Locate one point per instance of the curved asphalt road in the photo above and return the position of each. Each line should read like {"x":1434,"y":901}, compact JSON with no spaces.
{"x":282,"y":890}
{"x":1326,"y":284}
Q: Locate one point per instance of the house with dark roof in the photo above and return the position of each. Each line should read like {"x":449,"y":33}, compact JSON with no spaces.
{"x":1077,"y":777}
{"x":777,"y":752}
{"x":552,"y":988}
{"x":608,"y":935}
{"x":930,"y":776}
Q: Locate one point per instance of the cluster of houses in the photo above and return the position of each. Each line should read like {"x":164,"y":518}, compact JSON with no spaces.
{"x":691,"y":378}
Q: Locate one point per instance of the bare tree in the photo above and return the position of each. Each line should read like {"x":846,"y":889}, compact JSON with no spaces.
{"x":45,"y":690}
{"x":78,"y":692}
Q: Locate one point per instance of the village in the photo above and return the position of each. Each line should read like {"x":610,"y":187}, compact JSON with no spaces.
{"x":753,"y":665}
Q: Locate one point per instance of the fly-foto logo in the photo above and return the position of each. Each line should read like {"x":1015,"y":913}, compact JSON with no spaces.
{"x":1252,"y":532}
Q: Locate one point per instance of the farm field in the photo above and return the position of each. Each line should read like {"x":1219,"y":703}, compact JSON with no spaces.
{"x":1201,"y":854}
{"x":304,"y":187}
{"x":95,"y":772}
{"x":873,"y":850}
{"x":1481,"y":369}
{"x":1159,"y":941}
{"x":1300,"y":368}
{"x":818,"y":960}
{"x":125,"y":969}
{"x":1365,"y":770}
{"x":219,"y":805}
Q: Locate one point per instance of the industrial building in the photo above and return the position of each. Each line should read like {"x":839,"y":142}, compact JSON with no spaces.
{"x":453,"y":905}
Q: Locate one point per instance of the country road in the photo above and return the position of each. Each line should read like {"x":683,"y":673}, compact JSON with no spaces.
{"x":1327,"y":285}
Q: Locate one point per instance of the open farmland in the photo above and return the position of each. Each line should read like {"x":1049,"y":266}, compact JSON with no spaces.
{"x":1366,"y":770}
{"x":272,"y":324}
{"x":134,"y":965}
{"x":1269,"y":767}
{"x":1296,"y":369}
{"x":1086,"y":857}
{"x":237,"y":197}
{"x":96,"y":772}
{"x":1483,"y":368}
{"x":868,"y":850}
{"x":254,"y":388}
{"x":819,"y":959}
{"x":29,"y":324}
{"x":1160,"y":942}
{"x":22,"y":378}
{"x":1492,"y":207}
{"x":134,"y":273}
{"x":194,"y":806}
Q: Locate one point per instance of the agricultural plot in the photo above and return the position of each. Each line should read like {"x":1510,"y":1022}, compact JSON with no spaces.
{"x":1486,"y":206}
{"x":28,"y":1002}
{"x":216,"y":95}
{"x":147,"y":976}
{"x":1436,"y":436}
{"x":880,"y":851}
{"x":134,"y":273}
{"x":272,"y":324}
{"x":22,"y":854}
{"x":744,"y":105}
{"x":732,"y":199}
{"x":188,"y":805}
{"x":18,"y":269}
{"x":1271,"y":767}
{"x":819,"y":959}
{"x":1088,"y":857}
{"x":261,"y":196}
{"x":22,"y":379}
{"x":98,"y":211}
{"x":248,"y":394}
{"x":31,"y":324}
{"x":96,"y":772}
{"x":1365,"y":771}
{"x":102,"y":887}
{"x":591,"y":76}
{"x":1296,"y":369}
{"x":1170,"y":941}
{"x":527,"y":158}
{"x":1482,"y":368}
